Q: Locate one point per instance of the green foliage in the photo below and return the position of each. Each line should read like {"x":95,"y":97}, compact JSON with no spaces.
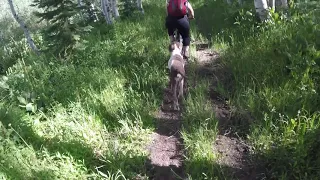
{"x":128,"y":8}
{"x":289,"y":145}
{"x":64,"y":32}
{"x":13,"y":43}
{"x":286,"y":61}
{"x":275,"y":71}
{"x":11,"y":52}
{"x":199,"y":129}
{"x":90,"y":117}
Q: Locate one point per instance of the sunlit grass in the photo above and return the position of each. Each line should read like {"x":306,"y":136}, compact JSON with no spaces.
{"x":97,"y":116}
{"x":199,"y":128}
{"x":97,"y":119}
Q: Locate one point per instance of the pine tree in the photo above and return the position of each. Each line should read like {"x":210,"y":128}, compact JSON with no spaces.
{"x":64,"y":30}
{"x":129,"y":8}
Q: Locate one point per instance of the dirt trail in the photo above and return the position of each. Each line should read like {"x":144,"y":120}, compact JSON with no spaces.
{"x":234,"y":153}
{"x":166,"y":149}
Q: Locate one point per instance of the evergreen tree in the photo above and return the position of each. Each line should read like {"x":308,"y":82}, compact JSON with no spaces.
{"x":129,"y":8}
{"x":64,"y":30}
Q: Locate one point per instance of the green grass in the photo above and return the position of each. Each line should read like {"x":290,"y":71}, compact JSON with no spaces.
{"x":199,"y":132}
{"x":97,"y":117}
{"x":98,"y":105}
{"x":275,"y":70}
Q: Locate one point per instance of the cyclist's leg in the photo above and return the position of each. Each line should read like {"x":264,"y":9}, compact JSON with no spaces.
{"x":184,"y":29}
{"x":170,"y":25}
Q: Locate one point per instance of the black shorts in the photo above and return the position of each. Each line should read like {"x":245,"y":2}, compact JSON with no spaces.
{"x":180,"y":23}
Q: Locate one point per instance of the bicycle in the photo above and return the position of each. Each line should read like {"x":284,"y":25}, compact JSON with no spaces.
{"x":177,"y":37}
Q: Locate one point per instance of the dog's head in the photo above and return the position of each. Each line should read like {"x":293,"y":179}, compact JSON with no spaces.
{"x":174,"y":46}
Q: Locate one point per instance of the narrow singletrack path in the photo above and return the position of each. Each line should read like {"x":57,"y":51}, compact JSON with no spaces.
{"x":167,"y":149}
{"x":233,"y":151}
{"x":166,"y":160}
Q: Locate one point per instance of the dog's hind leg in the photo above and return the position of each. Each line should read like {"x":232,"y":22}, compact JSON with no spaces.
{"x":180,"y":94}
{"x":174,"y":93}
{"x":171,"y":79}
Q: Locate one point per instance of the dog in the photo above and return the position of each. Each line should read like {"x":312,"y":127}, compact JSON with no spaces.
{"x":177,"y":73}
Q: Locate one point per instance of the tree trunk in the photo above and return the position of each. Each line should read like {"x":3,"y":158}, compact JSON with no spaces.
{"x":109,"y":9}
{"x":284,"y":7}
{"x":261,"y":9}
{"x":284,"y":4}
{"x":24,"y":27}
{"x":1,"y":37}
{"x":272,"y":4}
{"x":139,"y":5}
{"x":103,"y":8}
{"x":106,"y":11}
{"x":79,"y":3}
{"x":115,"y":8}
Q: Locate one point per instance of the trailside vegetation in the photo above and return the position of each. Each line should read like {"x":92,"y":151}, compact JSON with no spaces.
{"x":84,"y":107}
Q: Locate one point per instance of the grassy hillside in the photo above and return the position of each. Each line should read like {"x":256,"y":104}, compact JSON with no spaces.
{"x":98,"y":106}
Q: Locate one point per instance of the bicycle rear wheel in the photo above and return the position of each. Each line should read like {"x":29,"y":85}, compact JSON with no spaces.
{"x":178,"y":37}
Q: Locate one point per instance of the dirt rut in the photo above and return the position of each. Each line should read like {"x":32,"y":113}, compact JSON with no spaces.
{"x":234,"y":153}
{"x":166,"y":149}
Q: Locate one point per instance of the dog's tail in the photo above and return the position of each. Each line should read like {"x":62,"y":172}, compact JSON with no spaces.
{"x":181,"y":75}
{"x":180,"y":71}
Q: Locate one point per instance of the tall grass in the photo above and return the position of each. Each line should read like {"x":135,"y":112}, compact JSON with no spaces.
{"x":275,"y":70}
{"x":92,"y":115}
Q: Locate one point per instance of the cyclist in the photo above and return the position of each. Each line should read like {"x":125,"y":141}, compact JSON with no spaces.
{"x":178,"y":12}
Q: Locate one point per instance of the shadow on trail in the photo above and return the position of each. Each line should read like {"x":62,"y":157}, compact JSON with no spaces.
{"x":167,"y":148}
{"x":204,"y":169}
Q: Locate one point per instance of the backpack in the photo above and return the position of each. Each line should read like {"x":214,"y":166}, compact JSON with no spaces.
{"x":177,"y":7}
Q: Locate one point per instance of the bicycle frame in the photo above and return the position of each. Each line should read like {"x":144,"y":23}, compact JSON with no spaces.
{"x":177,"y":36}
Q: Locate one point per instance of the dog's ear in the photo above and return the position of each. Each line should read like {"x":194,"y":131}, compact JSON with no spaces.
{"x":171,"y":47}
